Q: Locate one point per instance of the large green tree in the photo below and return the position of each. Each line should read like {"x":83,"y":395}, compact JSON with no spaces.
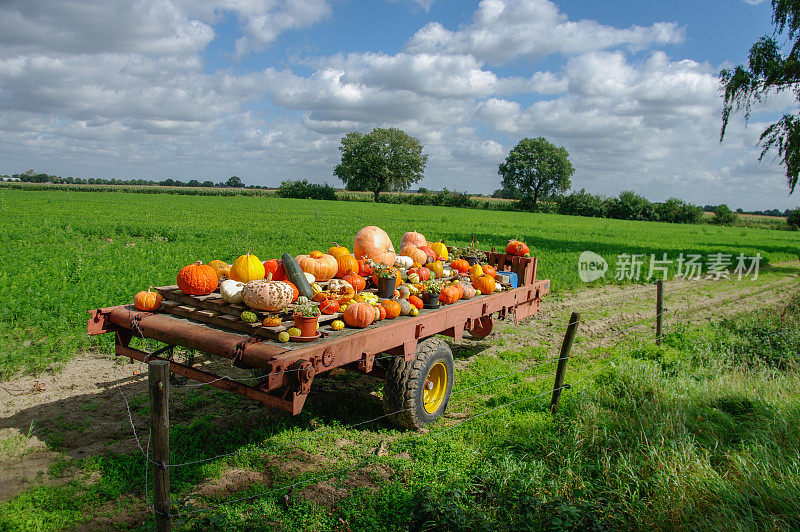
{"x":772,"y":68}
{"x":382,"y":160}
{"x":536,"y":168}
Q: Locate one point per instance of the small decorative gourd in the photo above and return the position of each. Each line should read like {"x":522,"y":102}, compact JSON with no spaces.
{"x":222,"y":268}
{"x":356,"y":281}
{"x":231,"y":291}
{"x":416,"y":255}
{"x":402,"y":261}
{"x":441,"y":251}
{"x":266,"y":294}
{"x":337,"y":251}
{"x":449,"y":295}
{"x":460,"y":265}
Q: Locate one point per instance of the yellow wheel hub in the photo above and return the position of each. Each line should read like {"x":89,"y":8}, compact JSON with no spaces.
{"x":435,"y":387}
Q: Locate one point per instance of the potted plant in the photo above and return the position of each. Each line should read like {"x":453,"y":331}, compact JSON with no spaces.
{"x":430,"y":292}
{"x":305,"y":319}
{"x":387,"y":280}
{"x":470,"y":253}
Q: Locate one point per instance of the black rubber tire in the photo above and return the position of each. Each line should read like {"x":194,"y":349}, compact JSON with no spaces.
{"x":405,"y":381}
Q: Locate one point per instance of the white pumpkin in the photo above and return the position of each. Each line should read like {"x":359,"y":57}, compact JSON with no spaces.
{"x":267,"y":295}
{"x":404,"y":262}
{"x":231,"y":291}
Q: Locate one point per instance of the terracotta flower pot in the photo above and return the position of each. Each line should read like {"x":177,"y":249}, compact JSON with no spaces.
{"x":307,"y":326}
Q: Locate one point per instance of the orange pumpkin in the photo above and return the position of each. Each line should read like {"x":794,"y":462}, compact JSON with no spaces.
{"x":392,"y":308}
{"x":147,"y":301}
{"x":356,"y":281}
{"x":337,"y":251}
{"x":274,"y":267}
{"x":449,"y":295}
{"x":373,"y":243}
{"x":271,"y":321}
{"x":460,"y":287}
{"x":247,"y":268}
{"x":359,"y":315}
{"x":441,"y":251}
{"x":484,"y":283}
{"x":329,"y":306}
{"x":489,"y":270}
{"x":221,"y":267}
{"x":423,"y":273}
{"x":460,"y":265}
{"x":429,"y":252}
{"x":416,"y":254}
{"x":364,"y":268}
{"x":295,"y":290}
{"x":414,"y":300}
{"x":347,"y":264}
{"x":413,"y":238}
{"x":197,"y":279}
{"x":475,"y":270}
{"x":515,"y":247}
{"x":381,"y":312}
{"x":321,"y":265}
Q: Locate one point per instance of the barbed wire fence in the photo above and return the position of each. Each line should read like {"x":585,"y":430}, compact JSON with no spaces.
{"x":369,"y":454}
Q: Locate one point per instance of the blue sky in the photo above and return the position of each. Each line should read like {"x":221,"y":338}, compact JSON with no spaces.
{"x":265,"y":89}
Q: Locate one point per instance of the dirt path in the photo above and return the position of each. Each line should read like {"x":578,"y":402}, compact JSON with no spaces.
{"x":78,"y":411}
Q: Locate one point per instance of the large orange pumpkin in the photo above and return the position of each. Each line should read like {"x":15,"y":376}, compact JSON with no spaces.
{"x":347,"y":264}
{"x":413,"y":238}
{"x":460,"y":265}
{"x":197,"y":279}
{"x":449,"y":295}
{"x":484,"y":283}
{"x":221,"y":267}
{"x":356,"y":281}
{"x":337,"y":251}
{"x":147,"y":301}
{"x":373,"y":243}
{"x":392,"y":308}
{"x":359,"y":315}
{"x":416,"y":254}
{"x":247,"y":268}
{"x":321,"y":265}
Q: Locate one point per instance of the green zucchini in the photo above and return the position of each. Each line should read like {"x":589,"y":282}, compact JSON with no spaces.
{"x":296,"y":275}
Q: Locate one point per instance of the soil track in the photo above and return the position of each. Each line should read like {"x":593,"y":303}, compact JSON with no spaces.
{"x":77,"y":411}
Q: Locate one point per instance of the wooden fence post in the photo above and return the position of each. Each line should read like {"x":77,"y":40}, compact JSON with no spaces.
{"x":569,"y":337}
{"x":659,"y":310}
{"x":157,"y":377}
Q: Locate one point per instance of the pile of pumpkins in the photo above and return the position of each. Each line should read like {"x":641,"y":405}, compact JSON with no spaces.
{"x":273,"y":285}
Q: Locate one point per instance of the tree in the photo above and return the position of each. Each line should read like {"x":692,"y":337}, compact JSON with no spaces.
{"x":723,"y":215}
{"x":769,"y":72}
{"x":536,"y":168}
{"x":234,"y":182}
{"x":631,"y":206}
{"x":380,"y":161}
{"x":793,"y":219}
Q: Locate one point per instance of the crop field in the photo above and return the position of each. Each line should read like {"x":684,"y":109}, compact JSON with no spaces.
{"x":64,"y":253}
{"x":699,"y":433}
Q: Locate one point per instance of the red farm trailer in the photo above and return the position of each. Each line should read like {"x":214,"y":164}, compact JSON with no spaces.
{"x":417,"y":367}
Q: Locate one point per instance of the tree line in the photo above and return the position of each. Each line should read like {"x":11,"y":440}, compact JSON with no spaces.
{"x":32,"y":177}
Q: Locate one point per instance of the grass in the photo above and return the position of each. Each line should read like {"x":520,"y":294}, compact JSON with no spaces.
{"x":699,"y":433}
{"x":63,"y":253}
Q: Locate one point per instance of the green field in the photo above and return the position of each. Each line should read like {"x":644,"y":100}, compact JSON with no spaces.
{"x":63,"y":253}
